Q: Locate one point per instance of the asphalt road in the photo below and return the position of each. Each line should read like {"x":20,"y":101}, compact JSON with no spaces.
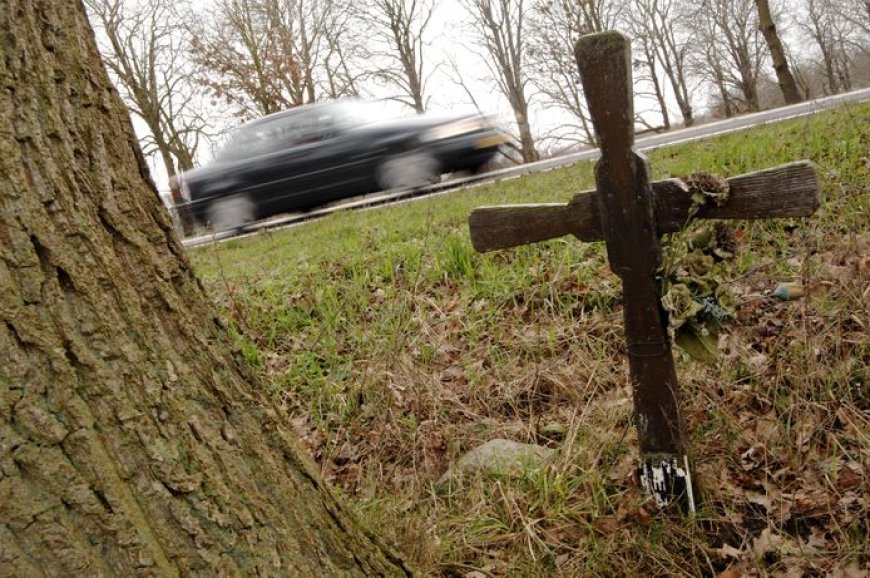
{"x":643,"y":144}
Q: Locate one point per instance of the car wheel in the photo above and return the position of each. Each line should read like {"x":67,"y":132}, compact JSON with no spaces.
{"x":409,"y":171}
{"x":232,"y":212}
{"x":482,"y":168}
{"x":473,"y":171}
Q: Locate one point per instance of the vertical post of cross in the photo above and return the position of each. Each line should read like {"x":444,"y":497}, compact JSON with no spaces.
{"x":626,"y":210}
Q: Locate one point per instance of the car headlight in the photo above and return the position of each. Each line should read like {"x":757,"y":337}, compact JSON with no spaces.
{"x":456,"y":128}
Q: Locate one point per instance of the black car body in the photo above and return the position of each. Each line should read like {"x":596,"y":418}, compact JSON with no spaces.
{"x":312,"y":155}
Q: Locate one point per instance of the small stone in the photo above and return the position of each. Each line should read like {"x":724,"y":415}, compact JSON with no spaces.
{"x":500,"y":457}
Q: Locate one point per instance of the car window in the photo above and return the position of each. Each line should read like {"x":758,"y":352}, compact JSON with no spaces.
{"x":282,"y":132}
{"x":248,"y":141}
{"x":303,"y":126}
{"x":310,"y":126}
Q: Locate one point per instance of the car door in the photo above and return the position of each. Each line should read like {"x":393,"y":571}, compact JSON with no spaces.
{"x":278,"y":174}
{"x":308,"y":166}
{"x":334,"y":172}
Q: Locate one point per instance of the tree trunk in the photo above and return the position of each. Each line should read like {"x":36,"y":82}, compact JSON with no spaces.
{"x":132,"y":443}
{"x":657,"y":88}
{"x":780,"y":64}
{"x":748,"y":81}
{"x":180,"y":211}
{"x":720,"y":84}
{"x":180,"y":204}
{"x":527,"y":142}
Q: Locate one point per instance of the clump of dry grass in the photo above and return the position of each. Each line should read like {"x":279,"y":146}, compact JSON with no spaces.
{"x":394,"y":349}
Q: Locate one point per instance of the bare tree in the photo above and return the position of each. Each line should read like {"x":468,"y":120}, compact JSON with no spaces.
{"x":344,"y":52}
{"x":665,"y":34}
{"x":133,"y":442}
{"x":787,"y":84}
{"x":241,"y":61}
{"x":262,"y":56}
{"x":836,"y":31}
{"x":728,"y":51}
{"x":144,"y":46}
{"x":554,"y":28}
{"x":398,"y":27}
{"x":323,"y":38}
{"x":646,"y":73}
{"x":709,"y":64}
{"x":858,"y":14}
{"x":499,"y":27}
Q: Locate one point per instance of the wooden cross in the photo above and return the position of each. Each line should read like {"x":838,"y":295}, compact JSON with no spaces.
{"x":630,"y":214}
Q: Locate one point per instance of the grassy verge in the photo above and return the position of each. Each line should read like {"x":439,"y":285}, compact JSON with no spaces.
{"x":394,"y":348}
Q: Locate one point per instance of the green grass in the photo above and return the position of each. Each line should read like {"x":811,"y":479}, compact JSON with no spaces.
{"x":394,"y":348}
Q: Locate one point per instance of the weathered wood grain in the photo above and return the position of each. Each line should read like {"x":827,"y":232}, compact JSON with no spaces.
{"x":789,"y":190}
{"x":626,"y":211}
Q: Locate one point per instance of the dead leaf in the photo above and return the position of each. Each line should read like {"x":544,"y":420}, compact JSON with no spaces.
{"x":453,"y":373}
{"x":850,"y":570}
{"x":815,"y":502}
{"x":568,"y":534}
{"x":794,"y":568}
{"x":759,"y":361}
{"x":850,"y":476}
{"x":606,"y":524}
{"x":729,"y":573}
{"x":767,"y":427}
{"x":766,"y":543}
{"x":752,"y":458}
{"x":644,"y":518}
{"x":817,"y":539}
{"x":728,"y":551}
{"x":762,"y":500}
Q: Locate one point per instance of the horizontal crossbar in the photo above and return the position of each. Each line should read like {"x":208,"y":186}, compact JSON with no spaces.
{"x":789,"y":190}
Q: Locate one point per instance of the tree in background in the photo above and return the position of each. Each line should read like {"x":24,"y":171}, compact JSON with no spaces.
{"x":838,"y":35}
{"x":345,"y":54}
{"x":499,"y":28}
{"x":262,"y":56}
{"x":131,"y":440}
{"x":554,"y":28}
{"x":240,"y":59}
{"x":664,"y":34}
{"x":858,"y":14}
{"x":787,"y":84}
{"x":399,"y":28}
{"x":728,"y":52}
{"x":321,"y":37}
{"x":144,"y":45}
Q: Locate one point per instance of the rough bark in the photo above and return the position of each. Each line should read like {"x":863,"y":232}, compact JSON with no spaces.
{"x":787,"y":85}
{"x":131,"y":441}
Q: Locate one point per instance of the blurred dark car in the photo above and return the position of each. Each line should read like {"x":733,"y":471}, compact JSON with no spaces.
{"x":312,"y":155}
